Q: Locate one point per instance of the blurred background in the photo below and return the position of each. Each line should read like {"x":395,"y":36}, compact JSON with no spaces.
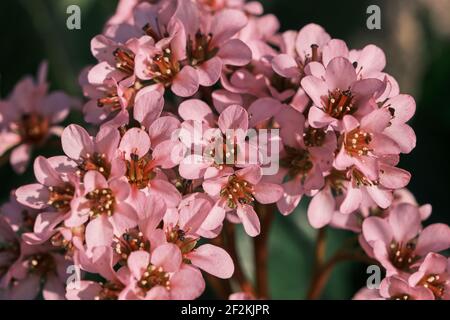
{"x":415,"y":35}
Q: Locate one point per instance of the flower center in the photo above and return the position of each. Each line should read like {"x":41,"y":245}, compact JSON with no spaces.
{"x":110,"y":291}
{"x":152,"y":277}
{"x":361,"y":179}
{"x":357,"y":142}
{"x":237,"y":191}
{"x":140,"y":171}
{"x":401,"y":296}
{"x":101,"y":200}
{"x":199,"y":49}
{"x":97,"y":162}
{"x":314,"y":137}
{"x":41,"y":264}
{"x":178,"y":237}
{"x":61,"y":196}
{"x":163,"y":68}
{"x":133,"y":240}
{"x":435,"y":284}
{"x":297,"y":161}
{"x":339,"y":103}
{"x":402,"y":255}
{"x":124,"y":60}
{"x":33,"y":128}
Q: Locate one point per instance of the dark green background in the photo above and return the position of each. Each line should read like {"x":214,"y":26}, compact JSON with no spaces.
{"x":34,"y":30}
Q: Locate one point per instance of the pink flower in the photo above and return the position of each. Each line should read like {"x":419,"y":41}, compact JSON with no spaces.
{"x":434,"y":275}
{"x":29,"y":116}
{"x":238,"y":190}
{"x":144,"y":166}
{"x":215,"y":149}
{"x":396,"y":288}
{"x":181,"y":228}
{"x":308,"y":153}
{"x":338,"y":93}
{"x":161,"y":275}
{"x":104,"y":208}
{"x":99,"y":153}
{"x":210,"y":45}
{"x":299,"y":49}
{"x":365,"y":142}
{"x":398,"y":241}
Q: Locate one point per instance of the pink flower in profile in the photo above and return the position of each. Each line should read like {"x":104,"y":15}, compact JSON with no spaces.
{"x":397,"y":288}
{"x":337,"y":92}
{"x":145,"y":162}
{"x":299,"y":49}
{"x":433,"y":274}
{"x":210,"y":45}
{"x":307,"y":154}
{"x":104,"y":208}
{"x":89,"y":153}
{"x":239,"y":190}
{"x":53,"y":194}
{"x":398,"y":241}
{"x":29,"y":117}
{"x":162,"y":276}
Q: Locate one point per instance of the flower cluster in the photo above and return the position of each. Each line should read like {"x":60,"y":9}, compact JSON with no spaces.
{"x":180,"y":90}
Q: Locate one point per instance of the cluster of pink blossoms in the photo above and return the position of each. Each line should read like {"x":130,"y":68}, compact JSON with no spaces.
{"x":131,"y":203}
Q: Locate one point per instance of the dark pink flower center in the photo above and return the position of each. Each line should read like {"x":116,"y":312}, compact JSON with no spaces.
{"x":237,"y":191}
{"x":163,"y":67}
{"x":140,"y":171}
{"x":178,"y":237}
{"x":33,"y":128}
{"x":61,"y":196}
{"x":297,"y":161}
{"x":110,"y":291}
{"x":124,"y":60}
{"x":41,"y":264}
{"x":97,"y":162}
{"x":152,"y":277}
{"x":199,"y":48}
{"x":101,"y":201}
{"x":435,"y":283}
{"x":314,"y":137}
{"x":357,"y":142}
{"x":132,"y":240}
{"x":339,"y":103}
{"x":402,"y":256}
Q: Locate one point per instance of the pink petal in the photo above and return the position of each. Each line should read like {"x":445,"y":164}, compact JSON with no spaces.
{"x":235,"y":52}
{"x":209,"y":71}
{"x":383,"y":198}
{"x":20,"y":157}
{"x":285,"y":66}
{"x":249,"y":219}
{"x":123,"y":218}
{"x":321,"y":208}
{"x":434,"y":238}
{"x":99,"y":232}
{"x":33,"y":195}
{"x":405,"y":222}
{"x":187,"y":284}
{"x":138,"y":261}
{"x":394,"y":178}
{"x":226,"y":23}
{"x":186,"y":82}
{"x":233,"y":117}
{"x":135,"y":141}
{"x":166,"y":191}
{"x":339,"y":74}
{"x":148,"y":106}
{"x":403,"y":135}
{"x":377,"y":229}
{"x":315,"y":88}
{"x":268,"y":192}
{"x":352,"y":201}
{"x":168,"y":256}
{"x":213,"y":260}
{"x":195,"y":109}
{"x":76,"y":142}
{"x":334,"y":48}
{"x":215,"y":218}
